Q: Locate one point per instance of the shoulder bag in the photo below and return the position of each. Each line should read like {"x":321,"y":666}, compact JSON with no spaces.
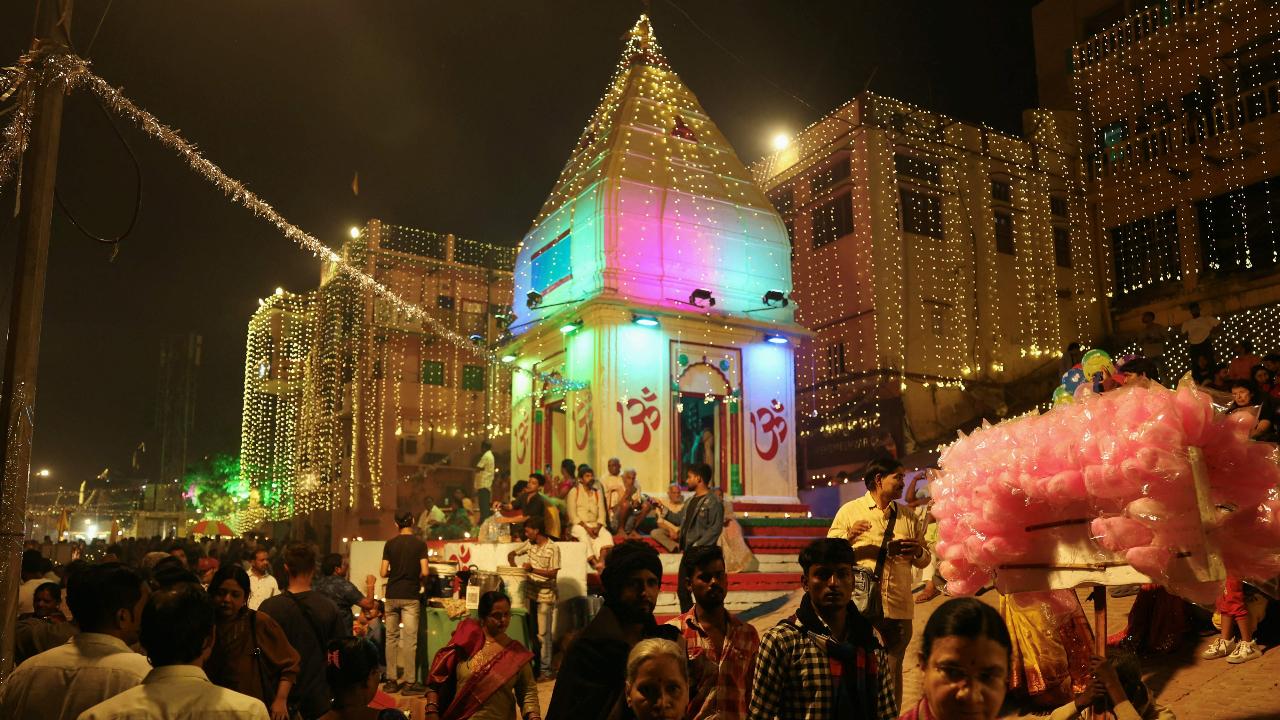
{"x":866,"y":585}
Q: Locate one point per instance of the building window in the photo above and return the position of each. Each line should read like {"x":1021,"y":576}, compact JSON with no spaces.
{"x":1240,"y":230}
{"x":1146,"y":251}
{"x":918,"y":168}
{"x":1004,"y":233}
{"x":1062,"y":247}
{"x":832,"y":220}
{"x":473,"y":377}
{"x":838,"y":170}
{"x":1112,"y":135}
{"x":921,"y":213}
{"x":444,"y":302}
{"x":432,"y":372}
{"x":835,"y":360}
{"x":408,"y":450}
{"x":938,"y":321}
{"x":1058,"y":206}
{"x":1001,"y":190}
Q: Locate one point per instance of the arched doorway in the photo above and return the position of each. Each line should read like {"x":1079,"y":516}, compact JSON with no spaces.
{"x":708,"y":425}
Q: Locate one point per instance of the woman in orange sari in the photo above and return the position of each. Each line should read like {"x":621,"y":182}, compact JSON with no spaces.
{"x":482,"y":673}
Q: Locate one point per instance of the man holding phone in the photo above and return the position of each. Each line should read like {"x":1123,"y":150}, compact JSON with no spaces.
{"x":863,"y":523}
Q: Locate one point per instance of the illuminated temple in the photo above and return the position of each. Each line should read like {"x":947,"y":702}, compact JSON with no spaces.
{"x":651,"y":300}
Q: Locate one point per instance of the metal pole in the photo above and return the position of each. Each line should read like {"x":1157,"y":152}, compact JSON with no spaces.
{"x":22,"y":351}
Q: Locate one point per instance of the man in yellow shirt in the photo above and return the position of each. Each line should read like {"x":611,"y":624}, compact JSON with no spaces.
{"x":863,"y":523}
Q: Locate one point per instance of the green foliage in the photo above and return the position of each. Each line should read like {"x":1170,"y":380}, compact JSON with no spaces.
{"x":216,"y":486}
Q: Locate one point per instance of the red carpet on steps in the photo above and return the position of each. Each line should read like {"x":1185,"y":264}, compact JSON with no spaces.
{"x":741,"y":582}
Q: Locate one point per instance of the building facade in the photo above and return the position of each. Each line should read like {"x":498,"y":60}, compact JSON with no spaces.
{"x":354,"y":407}
{"x":942,"y":268}
{"x":1179,"y":106}
{"x":652,"y":300}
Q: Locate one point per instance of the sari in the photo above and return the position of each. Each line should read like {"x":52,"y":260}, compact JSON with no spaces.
{"x":737,"y":555}
{"x":1052,"y":645}
{"x":921,"y":711}
{"x":1159,"y":622}
{"x":488,"y":689}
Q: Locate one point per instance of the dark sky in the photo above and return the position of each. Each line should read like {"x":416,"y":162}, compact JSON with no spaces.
{"x":458,"y":117}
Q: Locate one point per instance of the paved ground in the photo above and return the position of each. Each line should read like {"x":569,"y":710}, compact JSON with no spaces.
{"x":1192,"y":688}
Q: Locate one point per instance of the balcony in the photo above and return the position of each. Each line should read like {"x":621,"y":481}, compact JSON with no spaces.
{"x":1132,"y":30}
{"x":1168,"y":142}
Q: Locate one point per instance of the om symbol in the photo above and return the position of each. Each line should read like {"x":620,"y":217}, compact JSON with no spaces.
{"x":582,"y":421}
{"x":642,"y":413}
{"x":768,"y":423}
{"x":522,"y":438}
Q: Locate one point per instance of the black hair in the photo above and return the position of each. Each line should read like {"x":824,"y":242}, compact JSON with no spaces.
{"x":583,"y":469}
{"x":1073,"y":347}
{"x":696,"y":558}
{"x":702,"y":470}
{"x":538,"y":522}
{"x":488,"y":600}
{"x":176,"y":623}
{"x":230,"y":571}
{"x":114,"y":549}
{"x":1143,"y":366}
{"x":1247,"y":345}
{"x":486,"y":445}
{"x":1193,"y":306}
{"x":171,"y":571}
{"x":32,"y":562}
{"x":967,"y":618}
{"x":1253,"y":371}
{"x":542,"y":479}
{"x":1129,"y":670}
{"x":1247,"y":384}
{"x":626,"y":558}
{"x":571,"y":466}
{"x":826,"y":551}
{"x":879,"y":467}
{"x":519,"y":487}
{"x":299,"y":558}
{"x":96,"y":593}
{"x":1271,"y":357}
{"x":52,"y":587}
{"x":348,"y":663}
{"x":330,"y":563}
{"x":404,"y":519}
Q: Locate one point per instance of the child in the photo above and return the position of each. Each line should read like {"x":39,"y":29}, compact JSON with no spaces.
{"x":1235,"y":615}
{"x":368,"y":625}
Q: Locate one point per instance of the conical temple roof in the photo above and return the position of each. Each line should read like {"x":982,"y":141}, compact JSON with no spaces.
{"x":653,"y":189}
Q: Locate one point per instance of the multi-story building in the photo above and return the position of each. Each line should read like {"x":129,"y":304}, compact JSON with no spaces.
{"x":1179,"y":106}
{"x":942,"y":267}
{"x":356,"y":407}
{"x":176,"y":404}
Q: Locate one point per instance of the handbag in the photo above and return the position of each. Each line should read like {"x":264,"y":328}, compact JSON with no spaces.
{"x":866,"y":584}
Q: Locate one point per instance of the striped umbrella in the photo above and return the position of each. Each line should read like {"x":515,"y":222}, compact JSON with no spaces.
{"x":210,"y":527}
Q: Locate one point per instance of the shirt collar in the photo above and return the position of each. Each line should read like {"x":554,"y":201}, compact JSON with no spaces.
{"x":870,"y":501}
{"x":175,"y":672}
{"x":103,"y":639}
{"x":691,"y":619}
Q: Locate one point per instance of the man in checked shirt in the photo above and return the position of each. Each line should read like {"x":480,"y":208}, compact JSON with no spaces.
{"x":826,"y":661}
{"x":715,"y":637}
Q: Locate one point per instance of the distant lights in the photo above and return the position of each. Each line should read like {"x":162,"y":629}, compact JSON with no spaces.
{"x":780,"y":141}
{"x":279,"y":291}
{"x":508,"y":358}
{"x":570,"y":327}
{"x":644,"y":320}
{"x":776,"y":339}
{"x":355,"y":232}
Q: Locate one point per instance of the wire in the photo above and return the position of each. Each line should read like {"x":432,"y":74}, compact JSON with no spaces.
{"x":137,"y":203}
{"x":88,"y":51}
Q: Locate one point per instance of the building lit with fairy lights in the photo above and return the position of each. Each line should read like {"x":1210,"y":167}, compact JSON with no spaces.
{"x":1179,"y":106}
{"x":942,"y":267}
{"x":652,"y":309}
{"x":353,"y":407}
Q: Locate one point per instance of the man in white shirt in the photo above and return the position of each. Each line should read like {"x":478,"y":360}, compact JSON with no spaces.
{"x":1200,"y":331}
{"x":484,"y":480}
{"x":613,"y":489}
{"x":262,"y":584}
{"x":431,"y":517}
{"x":60,"y":684}
{"x":177,"y":632}
{"x":587,"y":515}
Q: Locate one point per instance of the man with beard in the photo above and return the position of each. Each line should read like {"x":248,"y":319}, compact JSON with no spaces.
{"x":594,"y":669}
{"x":824,"y":661}
{"x":712,"y":634}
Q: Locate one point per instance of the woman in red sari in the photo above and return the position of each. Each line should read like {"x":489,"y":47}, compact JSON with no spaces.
{"x":482,"y":673}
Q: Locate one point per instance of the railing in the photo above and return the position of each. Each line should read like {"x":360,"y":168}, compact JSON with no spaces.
{"x":1133,"y":29}
{"x":1188,"y":129}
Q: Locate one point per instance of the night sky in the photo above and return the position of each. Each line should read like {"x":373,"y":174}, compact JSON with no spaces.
{"x":458,"y":118}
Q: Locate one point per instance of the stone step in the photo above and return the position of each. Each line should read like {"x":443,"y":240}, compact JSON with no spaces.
{"x":745,"y":582}
{"x":747,"y":506}
{"x":778,"y":545}
{"x":756,"y":530}
{"x":746,"y":522}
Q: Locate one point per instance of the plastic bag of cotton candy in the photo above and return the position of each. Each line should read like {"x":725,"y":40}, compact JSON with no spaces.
{"x":1111,"y":473}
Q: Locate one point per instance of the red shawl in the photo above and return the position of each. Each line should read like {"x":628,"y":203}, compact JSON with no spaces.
{"x":467,"y":639}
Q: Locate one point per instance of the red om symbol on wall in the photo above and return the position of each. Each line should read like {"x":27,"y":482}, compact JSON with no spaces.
{"x":643,"y":413}
{"x":522,"y":437}
{"x":767,"y":423}
{"x":582,"y":420}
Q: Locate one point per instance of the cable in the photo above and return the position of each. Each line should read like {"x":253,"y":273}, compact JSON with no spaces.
{"x":88,"y":51}
{"x":137,"y":203}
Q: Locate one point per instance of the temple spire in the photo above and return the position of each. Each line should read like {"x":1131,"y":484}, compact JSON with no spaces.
{"x":642,"y":47}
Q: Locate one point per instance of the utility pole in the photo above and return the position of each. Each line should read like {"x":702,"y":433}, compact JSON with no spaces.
{"x":22,"y":352}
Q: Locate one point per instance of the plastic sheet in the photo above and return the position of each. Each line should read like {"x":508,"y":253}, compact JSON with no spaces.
{"x":1117,"y":461}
